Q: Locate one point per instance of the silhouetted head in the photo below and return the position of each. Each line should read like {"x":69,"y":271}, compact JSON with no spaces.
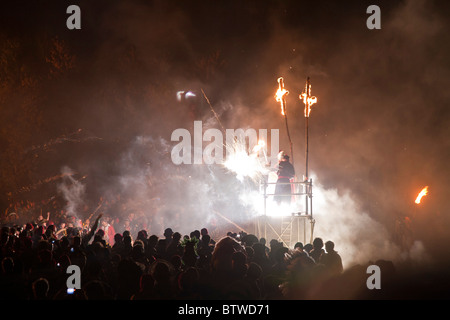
{"x":318,"y":243}
{"x":308,"y":247}
{"x":298,"y":245}
{"x":7,"y":265}
{"x":168,"y":233}
{"x":142,"y":234}
{"x":176,"y":236}
{"x":118,"y":238}
{"x":329,"y":246}
{"x":40,"y":288}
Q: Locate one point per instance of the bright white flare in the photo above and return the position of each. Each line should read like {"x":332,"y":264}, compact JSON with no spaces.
{"x":243,"y":163}
{"x":421,"y":194}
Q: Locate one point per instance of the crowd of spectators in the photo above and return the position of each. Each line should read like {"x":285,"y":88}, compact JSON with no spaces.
{"x":135,"y":266}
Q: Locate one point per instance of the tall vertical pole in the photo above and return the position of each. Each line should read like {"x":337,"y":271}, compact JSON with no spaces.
{"x":307,"y":110}
{"x":305,"y":179}
{"x":290,"y":141}
{"x":308,"y":100}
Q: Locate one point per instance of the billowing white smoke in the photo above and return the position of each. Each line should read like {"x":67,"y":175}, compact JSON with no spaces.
{"x":358,"y":238}
{"x":73,"y":192}
{"x":162,"y":193}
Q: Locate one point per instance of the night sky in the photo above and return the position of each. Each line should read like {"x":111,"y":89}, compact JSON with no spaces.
{"x":379,"y":132}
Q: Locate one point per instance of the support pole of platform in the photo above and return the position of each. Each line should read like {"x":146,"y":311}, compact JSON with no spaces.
{"x":265,"y":196}
{"x":304,"y":231}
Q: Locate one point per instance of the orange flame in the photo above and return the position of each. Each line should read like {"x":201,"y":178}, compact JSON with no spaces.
{"x":307,"y":99}
{"x":421,"y":194}
{"x":281,"y":94}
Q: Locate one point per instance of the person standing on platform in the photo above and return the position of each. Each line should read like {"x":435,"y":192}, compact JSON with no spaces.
{"x":285,"y":173}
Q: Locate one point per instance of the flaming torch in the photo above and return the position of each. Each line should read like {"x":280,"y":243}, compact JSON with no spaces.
{"x":280,"y":97}
{"x":281,"y":94}
{"x":308,"y":100}
{"x":421,"y":194}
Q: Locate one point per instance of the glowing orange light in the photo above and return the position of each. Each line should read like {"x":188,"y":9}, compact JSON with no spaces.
{"x":307,"y":99}
{"x":421,"y":194}
{"x":281,"y":94}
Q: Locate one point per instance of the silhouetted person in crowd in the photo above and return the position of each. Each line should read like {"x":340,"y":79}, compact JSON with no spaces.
{"x":190,"y":256}
{"x":222,"y":264}
{"x":308,"y":248}
{"x":317,"y":250}
{"x":11,"y":283}
{"x":279,"y":268}
{"x":129,"y":275}
{"x":151,"y":246}
{"x":177,"y":264}
{"x":38,"y":234}
{"x":239,"y":265}
{"x":299,"y":277}
{"x":143,"y":236}
{"x":248,"y":239}
{"x":168,"y":233}
{"x":247,"y":286}
{"x":126,"y":233}
{"x":196,"y":234}
{"x":274,"y":245}
{"x":205,"y":232}
{"x":40,"y":289}
{"x":205,"y":250}
{"x":331,"y":260}
{"x":188,"y":284}
{"x":174,"y":247}
{"x":264,"y":242}
{"x":250,"y":252}
{"x":261,"y":257}
{"x":253,"y":281}
{"x":118,"y":245}
{"x":298,"y":246}
{"x":164,"y":287}
{"x":138,"y":254}
{"x":127,"y":246}
{"x":97,"y":290}
{"x":28,"y":255}
{"x":146,"y":288}
{"x":50,"y":233}
{"x":161,"y":249}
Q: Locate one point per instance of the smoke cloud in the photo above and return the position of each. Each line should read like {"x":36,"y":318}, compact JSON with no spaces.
{"x":360,"y":238}
{"x":73,"y":192}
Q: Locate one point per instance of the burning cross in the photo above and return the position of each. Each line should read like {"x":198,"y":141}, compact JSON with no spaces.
{"x":307,"y":99}
{"x":281,"y":94}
